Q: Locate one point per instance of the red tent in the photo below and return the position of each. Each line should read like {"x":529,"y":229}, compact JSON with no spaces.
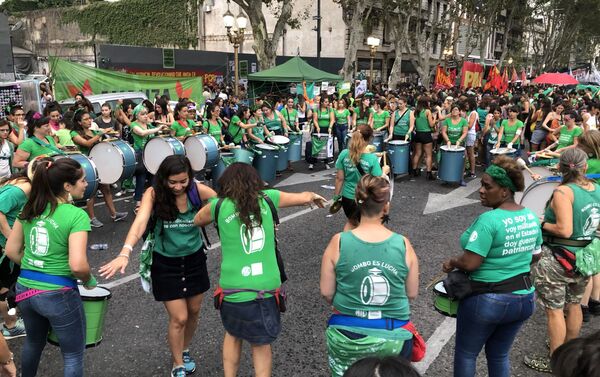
{"x":556,"y":79}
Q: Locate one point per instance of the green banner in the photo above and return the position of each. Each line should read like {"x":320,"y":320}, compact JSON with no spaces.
{"x":71,"y":78}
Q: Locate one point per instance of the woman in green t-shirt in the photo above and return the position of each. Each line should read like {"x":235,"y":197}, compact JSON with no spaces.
{"x":85,"y":139}
{"x":342,"y":120}
{"x":39,"y":142}
{"x":49,"y":242}
{"x":361,"y":113}
{"x":239,"y":125}
{"x":510,"y":130}
{"x":401,"y":120}
{"x":454,"y":128}
{"x":214,"y":125}
{"x":249,"y":263}
{"x":182,"y":126}
{"x":499,"y":248}
{"x":259,"y":132}
{"x":323,"y":118}
{"x":568,"y":135}
{"x":274,"y":120}
{"x":179,"y":273}
{"x":380,"y":117}
{"x":424,"y":124}
{"x":369,"y":321}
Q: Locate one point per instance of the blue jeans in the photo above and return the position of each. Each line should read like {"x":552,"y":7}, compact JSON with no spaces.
{"x":341,"y":130}
{"x":63,"y":311}
{"x":493,"y":320}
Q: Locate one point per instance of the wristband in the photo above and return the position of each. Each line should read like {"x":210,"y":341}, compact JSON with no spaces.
{"x":542,"y":225}
{"x":123,"y":255}
{"x":128,"y":247}
{"x":337,"y":197}
{"x":91,"y":283}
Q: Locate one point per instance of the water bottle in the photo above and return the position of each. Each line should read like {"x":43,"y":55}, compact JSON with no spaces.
{"x":99,"y":246}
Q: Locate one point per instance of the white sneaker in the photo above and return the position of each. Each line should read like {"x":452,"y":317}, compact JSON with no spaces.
{"x":327,"y":166}
{"x":310,"y":166}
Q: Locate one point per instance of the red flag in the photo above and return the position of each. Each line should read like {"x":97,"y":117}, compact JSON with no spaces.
{"x":493,"y":79}
{"x":442,"y":79}
{"x":503,"y":81}
{"x":471,"y":75}
{"x":523,"y":75}
{"x":514,"y":77}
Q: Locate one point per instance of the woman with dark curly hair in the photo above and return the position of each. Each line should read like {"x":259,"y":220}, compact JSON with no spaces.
{"x":250,"y":275}
{"x":179,"y":274}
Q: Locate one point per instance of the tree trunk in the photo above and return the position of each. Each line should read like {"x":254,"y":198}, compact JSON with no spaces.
{"x":399,"y":29}
{"x":353,"y":13}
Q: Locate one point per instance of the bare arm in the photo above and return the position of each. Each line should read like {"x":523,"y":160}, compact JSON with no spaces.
{"x":562,"y":204}
{"x":4,"y":227}
{"x":81,"y":141}
{"x":339,"y":182}
{"x":78,"y":262}
{"x":468,"y":261}
{"x":412,"y":279}
{"x":150,"y":131}
{"x":328,"y":262}
{"x":287,"y":199}
{"x":14,"y":243}
{"x":20,"y":158}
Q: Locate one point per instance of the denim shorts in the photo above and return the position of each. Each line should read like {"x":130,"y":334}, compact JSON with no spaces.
{"x":258,"y":322}
{"x":538,"y":136}
{"x":470,"y":140}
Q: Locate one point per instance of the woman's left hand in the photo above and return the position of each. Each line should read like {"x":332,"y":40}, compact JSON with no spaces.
{"x":447,"y":267}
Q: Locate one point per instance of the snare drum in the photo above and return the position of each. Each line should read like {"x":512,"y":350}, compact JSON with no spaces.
{"x":442,"y":303}
{"x":202,"y":151}
{"x":89,"y":171}
{"x":327,"y":151}
{"x":265,"y":161}
{"x":378,"y":140}
{"x":283,"y":143}
{"x":537,"y":195}
{"x":452,"y":163}
{"x":115,"y":160}
{"x":399,"y":151}
{"x":95,"y":304}
{"x":159,"y":148}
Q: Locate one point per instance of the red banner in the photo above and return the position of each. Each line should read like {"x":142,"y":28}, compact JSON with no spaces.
{"x":493,"y":80}
{"x":471,"y":75}
{"x":443,"y":80}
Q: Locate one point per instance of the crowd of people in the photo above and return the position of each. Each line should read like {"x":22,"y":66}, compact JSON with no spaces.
{"x":369,"y":274}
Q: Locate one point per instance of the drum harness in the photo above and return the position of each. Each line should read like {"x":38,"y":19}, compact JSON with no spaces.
{"x":279,"y":293}
{"x":64,"y":281}
{"x":459,"y":286}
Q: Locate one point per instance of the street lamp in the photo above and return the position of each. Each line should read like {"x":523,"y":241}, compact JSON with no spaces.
{"x":236,"y":38}
{"x":373,"y":44}
{"x":510,"y":61}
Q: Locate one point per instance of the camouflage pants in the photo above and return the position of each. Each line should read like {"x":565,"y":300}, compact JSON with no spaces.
{"x":553,"y":288}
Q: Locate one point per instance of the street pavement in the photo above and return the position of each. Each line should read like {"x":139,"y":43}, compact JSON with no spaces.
{"x":135,"y":343}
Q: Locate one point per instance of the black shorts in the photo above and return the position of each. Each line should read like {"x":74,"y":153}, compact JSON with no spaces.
{"x":399,"y":137}
{"x":8,"y":278}
{"x":257,"y":322}
{"x":351,"y":210}
{"x":175,"y":278}
{"x":423,"y":138}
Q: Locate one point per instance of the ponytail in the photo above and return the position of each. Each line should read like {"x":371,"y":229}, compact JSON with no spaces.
{"x":359,"y":141}
{"x":572,"y":165}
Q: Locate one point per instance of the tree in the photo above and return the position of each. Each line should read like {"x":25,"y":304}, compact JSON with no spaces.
{"x":354,"y":13}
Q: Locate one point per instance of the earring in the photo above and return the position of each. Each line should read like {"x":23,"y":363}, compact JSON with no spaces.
{"x":69,"y":198}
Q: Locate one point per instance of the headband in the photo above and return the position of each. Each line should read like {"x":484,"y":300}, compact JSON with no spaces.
{"x":138,"y":109}
{"x":500,"y":176}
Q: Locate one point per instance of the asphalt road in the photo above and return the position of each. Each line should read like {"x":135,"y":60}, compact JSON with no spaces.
{"x":135,"y":330}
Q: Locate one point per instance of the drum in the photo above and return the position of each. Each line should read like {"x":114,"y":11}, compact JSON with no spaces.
{"x":283,"y":143}
{"x":295,"y":148}
{"x":399,"y":152}
{"x":537,"y":195}
{"x":115,"y":160}
{"x":378,"y":140}
{"x":327,"y":151}
{"x":508,"y":152}
{"x":542,"y":171}
{"x":265,"y":161}
{"x":375,"y":288}
{"x":225,"y":159}
{"x":442,"y":303}
{"x":90,"y":171}
{"x":202,"y":151}
{"x":452,"y":163}
{"x":159,"y":148}
{"x":243,"y":155}
{"x":95,"y":304}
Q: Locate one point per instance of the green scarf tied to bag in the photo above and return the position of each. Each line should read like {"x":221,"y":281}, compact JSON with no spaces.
{"x":587,"y":259}
{"x":318,"y":145}
{"x":146,"y":255}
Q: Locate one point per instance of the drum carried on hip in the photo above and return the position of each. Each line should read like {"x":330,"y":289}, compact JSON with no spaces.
{"x":322,"y":146}
{"x":442,"y":303}
{"x":115,"y":160}
{"x":537,"y":195}
{"x":159,"y":148}
{"x":95,"y":305}
{"x":399,"y":152}
{"x":89,"y":171}
{"x":452,"y":163}
{"x":265,"y":161}
{"x":283,"y":143}
{"x":378,"y":140}
{"x":202,"y":151}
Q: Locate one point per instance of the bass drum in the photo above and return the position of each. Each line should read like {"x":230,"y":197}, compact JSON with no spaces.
{"x":537,"y":195}
{"x":202,"y":151}
{"x":539,"y":170}
{"x":115,"y":160}
{"x":89,"y":171}
{"x":159,"y":148}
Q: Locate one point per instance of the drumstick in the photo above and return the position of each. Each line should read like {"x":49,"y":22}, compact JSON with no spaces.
{"x":435,"y":280}
{"x":523,"y":164}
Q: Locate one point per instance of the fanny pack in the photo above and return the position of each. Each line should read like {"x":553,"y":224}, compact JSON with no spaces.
{"x":584,"y":262}
{"x":49,"y":279}
{"x":279,"y":294}
{"x":458,"y":285}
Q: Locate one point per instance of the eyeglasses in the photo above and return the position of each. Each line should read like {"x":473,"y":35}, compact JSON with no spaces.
{"x":5,"y":130}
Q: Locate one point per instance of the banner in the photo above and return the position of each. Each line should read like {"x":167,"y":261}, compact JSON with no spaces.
{"x":71,"y":78}
{"x":493,"y":80}
{"x":443,"y":80}
{"x":471,"y":75}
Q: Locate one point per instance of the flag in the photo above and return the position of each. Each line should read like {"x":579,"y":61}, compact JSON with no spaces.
{"x":503,"y":86}
{"x":471,"y":75}
{"x":523,"y":76}
{"x":514,"y":77}
{"x":442,"y":79}
{"x":493,"y":80}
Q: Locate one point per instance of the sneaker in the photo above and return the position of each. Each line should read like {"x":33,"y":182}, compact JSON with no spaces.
{"x":310,"y":166}
{"x":594,"y":307}
{"x":99,"y":195}
{"x":129,"y":190}
{"x":327,"y":166}
{"x":119,"y":216}
{"x":95,"y":223}
{"x":114,"y":185}
{"x":178,"y":372}
{"x":539,"y":363}
{"x":189,"y":363}
{"x":470,"y":175}
{"x":119,"y":194}
{"x":15,"y":332}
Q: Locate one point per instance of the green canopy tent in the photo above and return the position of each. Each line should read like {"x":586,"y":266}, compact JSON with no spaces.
{"x":295,"y":70}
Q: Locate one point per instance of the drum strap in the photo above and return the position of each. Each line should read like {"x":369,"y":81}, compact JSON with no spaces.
{"x":47,"y":145}
{"x":399,"y":119}
{"x":49,"y":279}
{"x":566,"y":241}
{"x":196,"y":200}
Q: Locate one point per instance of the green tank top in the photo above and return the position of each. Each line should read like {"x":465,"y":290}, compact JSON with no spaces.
{"x":213,"y":130}
{"x":380,"y":118}
{"x":421,"y":122}
{"x":323,"y":118}
{"x":401,"y":122}
{"x":290,"y":116}
{"x":248,"y":255}
{"x":257,"y":131}
{"x":180,"y":237}
{"x":273,"y":124}
{"x":586,"y":213}
{"x":370,"y":278}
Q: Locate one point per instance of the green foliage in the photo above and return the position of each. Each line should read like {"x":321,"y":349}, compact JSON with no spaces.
{"x":150,"y":23}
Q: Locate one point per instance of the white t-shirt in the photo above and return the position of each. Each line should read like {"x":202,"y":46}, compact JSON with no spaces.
{"x":591,"y":122}
{"x":472,"y":128}
{"x":5,"y":160}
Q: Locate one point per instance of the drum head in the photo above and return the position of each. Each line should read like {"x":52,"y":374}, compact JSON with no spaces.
{"x":96,"y":294}
{"x":109,"y":162}
{"x":499,"y":151}
{"x":439,"y":288}
{"x":397,"y":142}
{"x":279,"y":139}
{"x":452,"y":148}
{"x":321,"y":136}
{"x":196,"y":152}
{"x":266,"y":147}
{"x":536,"y":196}
{"x":540,"y":170}
{"x":155,"y":152}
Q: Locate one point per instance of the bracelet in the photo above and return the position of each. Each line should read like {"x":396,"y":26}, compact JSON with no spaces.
{"x":128,"y":247}
{"x":123,"y":255}
{"x":10,"y":359}
{"x":542,"y":225}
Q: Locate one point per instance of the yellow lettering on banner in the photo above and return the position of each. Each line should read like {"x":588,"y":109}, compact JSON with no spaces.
{"x":468,"y":78}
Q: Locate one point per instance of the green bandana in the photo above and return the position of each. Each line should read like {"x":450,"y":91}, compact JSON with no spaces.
{"x":500,"y":176}
{"x":137,"y":110}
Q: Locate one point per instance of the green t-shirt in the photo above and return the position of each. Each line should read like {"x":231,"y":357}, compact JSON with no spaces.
{"x":379,"y":119}
{"x":235,"y":130}
{"x":46,"y":241}
{"x":323,"y":119}
{"x":594,"y":167}
{"x":568,"y":137}
{"x":455,"y":131}
{"x":511,"y":131}
{"x":290,"y":116}
{"x":421,"y":122}
{"x":248,"y":256}
{"x":482,"y":115}
{"x":34,"y":149}
{"x":368,"y":162}
{"x":257,"y":131}
{"x":181,"y":130}
{"x":12,"y":200}
{"x":139,"y":142}
{"x":506,"y":240}
{"x":64,"y":137}
{"x":213,"y":130}
{"x":401,"y":122}
{"x":84,"y":150}
{"x":493,"y":139}
{"x":273,"y":124}
{"x":371,"y":278}
{"x":586,"y":214}
{"x":341,"y":117}
{"x":364,"y":119}
{"x":180,"y":237}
